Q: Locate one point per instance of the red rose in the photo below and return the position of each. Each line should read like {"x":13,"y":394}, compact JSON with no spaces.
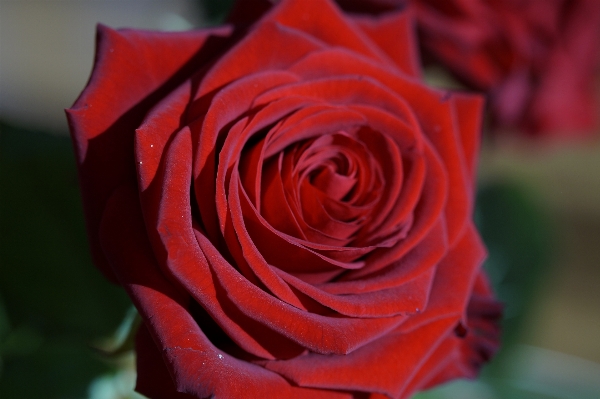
{"x":288,"y":207}
{"x":537,"y":59}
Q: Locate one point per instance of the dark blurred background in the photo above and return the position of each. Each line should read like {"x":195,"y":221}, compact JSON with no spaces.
{"x":63,"y":328}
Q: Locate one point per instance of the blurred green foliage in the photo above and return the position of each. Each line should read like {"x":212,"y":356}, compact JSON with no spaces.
{"x":53,"y":302}
{"x":216,"y":11}
{"x":517,"y":234}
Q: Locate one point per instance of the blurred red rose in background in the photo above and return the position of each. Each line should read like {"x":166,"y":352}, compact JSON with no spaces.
{"x":288,"y":206}
{"x":537,"y":59}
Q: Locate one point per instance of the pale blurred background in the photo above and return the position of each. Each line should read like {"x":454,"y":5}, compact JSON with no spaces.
{"x":47,"y":49}
{"x":46,"y":55}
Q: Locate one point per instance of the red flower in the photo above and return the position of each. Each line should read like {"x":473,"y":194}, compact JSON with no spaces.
{"x":288,"y":207}
{"x":537,"y":59}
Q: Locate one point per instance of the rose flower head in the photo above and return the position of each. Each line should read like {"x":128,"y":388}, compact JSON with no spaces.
{"x":288,"y":206}
{"x":537,"y":59}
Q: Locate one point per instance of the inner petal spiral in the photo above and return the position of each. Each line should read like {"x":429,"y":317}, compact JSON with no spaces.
{"x":330,"y":184}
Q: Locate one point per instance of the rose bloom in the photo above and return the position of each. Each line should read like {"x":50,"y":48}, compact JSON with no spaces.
{"x":288,"y":206}
{"x":537,"y":59}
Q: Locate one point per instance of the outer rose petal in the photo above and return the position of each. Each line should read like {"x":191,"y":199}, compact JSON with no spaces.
{"x":153,"y":378}
{"x":130,"y":75}
{"x":196,"y":366}
{"x":391,"y":32}
{"x":394,"y":34}
{"x":476,"y":341}
{"x":395,"y":359}
{"x":391,"y":362}
{"x":468,"y":118}
{"x":463,"y":351}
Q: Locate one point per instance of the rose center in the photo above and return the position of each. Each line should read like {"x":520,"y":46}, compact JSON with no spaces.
{"x":332,"y":181}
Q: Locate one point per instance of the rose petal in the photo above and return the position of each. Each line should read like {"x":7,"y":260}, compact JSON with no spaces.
{"x":320,"y":334}
{"x":426,"y":214}
{"x":394,"y":33}
{"x":459,"y":269}
{"x":325,"y":22}
{"x":417,"y":262}
{"x":166,"y":205}
{"x":131,"y":63}
{"x":434,"y":113}
{"x":153,"y":378}
{"x":392,"y":361}
{"x":197,"y":367}
{"x":406,"y":298}
{"x":227,"y":105}
{"x":467,"y":111}
{"x":439,"y":124}
{"x":270,"y":46}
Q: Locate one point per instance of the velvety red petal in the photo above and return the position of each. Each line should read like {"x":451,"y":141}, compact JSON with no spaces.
{"x":468,"y":111}
{"x":240,"y":134}
{"x":343,"y":90}
{"x":312,"y":121}
{"x":395,"y":34}
{"x":399,"y":151}
{"x":419,"y":261}
{"x":250,"y":303}
{"x":440,"y":125}
{"x":283,"y":218}
{"x":321,"y":334}
{"x":166,"y":207}
{"x":254,"y":258}
{"x":406,"y":298}
{"x":325,"y":22}
{"x":478,"y":341}
{"x":227,"y":106}
{"x":444,"y":357}
{"x":434,"y":114}
{"x":459,"y":270}
{"x":162,"y":122}
{"x":153,"y":377}
{"x":132,"y":72}
{"x":197,"y":367}
{"x":271,"y":46}
{"x":427,"y":214}
{"x":391,"y":361}
{"x":284,"y":251}
{"x":279,"y":213}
